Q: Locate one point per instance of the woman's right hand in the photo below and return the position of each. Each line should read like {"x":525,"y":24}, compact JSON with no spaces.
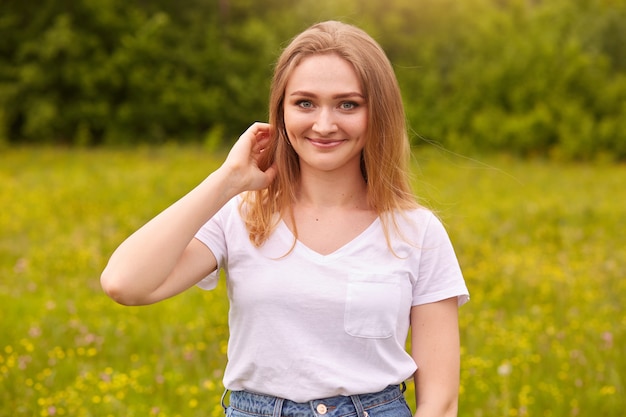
{"x":242,"y":163}
{"x":162,"y":258}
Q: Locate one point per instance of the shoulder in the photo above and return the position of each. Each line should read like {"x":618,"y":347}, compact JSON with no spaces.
{"x":233,"y":206}
{"x":420,"y":225}
{"x":229,"y":213}
{"x":418,"y":217}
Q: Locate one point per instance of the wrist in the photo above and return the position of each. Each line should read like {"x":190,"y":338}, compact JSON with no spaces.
{"x":224,"y":182}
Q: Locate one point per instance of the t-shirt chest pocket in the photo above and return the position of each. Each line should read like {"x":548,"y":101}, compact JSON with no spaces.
{"x":372,"y":306}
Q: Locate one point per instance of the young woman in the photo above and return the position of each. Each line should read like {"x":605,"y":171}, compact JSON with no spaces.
{"x":328,"y":258}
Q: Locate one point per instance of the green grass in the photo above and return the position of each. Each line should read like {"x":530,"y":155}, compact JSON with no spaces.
{"x":542,"y":246}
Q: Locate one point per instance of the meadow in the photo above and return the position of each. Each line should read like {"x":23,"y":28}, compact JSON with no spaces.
{"x":541,"y":243}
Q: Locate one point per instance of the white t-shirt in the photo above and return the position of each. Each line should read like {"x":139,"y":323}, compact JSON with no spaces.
{"x":307,"y":326}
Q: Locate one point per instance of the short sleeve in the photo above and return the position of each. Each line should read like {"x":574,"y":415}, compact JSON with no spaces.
{"x":212,"y":235}
{"x":439,"y":275}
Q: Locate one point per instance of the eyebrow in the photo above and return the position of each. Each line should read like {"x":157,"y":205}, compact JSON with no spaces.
{"x":336,"y":96}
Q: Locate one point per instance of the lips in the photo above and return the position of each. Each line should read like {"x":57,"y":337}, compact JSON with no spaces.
{"x":325,"y":143}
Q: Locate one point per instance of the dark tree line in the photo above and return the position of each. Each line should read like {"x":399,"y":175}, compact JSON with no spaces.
{"x":529,"y":77}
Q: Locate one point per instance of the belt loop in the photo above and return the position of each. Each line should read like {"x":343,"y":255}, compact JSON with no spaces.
{"x":278,"y":407}
{"x":360,"y":411}
{"x":403,"y":387}
{"x":222,"y":400}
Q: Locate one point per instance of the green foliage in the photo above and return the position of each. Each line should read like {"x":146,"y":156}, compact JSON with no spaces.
{"x":541,"y":246}
{"x":528,"y":77}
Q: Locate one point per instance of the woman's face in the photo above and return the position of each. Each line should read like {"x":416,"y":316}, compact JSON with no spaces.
{"x":325,"y":114}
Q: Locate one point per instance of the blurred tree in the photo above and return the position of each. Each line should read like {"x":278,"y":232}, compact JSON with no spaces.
{"x":531,"y":77}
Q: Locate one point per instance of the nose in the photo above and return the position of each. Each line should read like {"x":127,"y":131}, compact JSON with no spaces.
{"x":325,"y":123}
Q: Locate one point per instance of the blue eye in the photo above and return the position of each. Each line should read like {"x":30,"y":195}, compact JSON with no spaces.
{"x":348,"y":105}
{"x":305,"y":104}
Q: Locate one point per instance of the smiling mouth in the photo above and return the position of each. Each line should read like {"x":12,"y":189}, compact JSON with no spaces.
{"x":325,"y":143}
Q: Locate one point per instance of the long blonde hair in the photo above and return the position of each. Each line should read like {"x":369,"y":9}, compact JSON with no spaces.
{"x":385,"y":155}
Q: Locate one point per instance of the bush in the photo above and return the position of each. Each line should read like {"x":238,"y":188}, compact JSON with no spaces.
{"x":531,"y":78}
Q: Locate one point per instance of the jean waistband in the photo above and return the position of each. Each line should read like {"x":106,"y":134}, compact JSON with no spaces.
{"x":267,"y":405}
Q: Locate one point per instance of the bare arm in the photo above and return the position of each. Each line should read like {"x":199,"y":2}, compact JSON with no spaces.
{"x":162,"y":258}
{"x":435,"y":349}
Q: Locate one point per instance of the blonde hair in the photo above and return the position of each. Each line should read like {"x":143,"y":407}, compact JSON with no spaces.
{"x":386,"y":153}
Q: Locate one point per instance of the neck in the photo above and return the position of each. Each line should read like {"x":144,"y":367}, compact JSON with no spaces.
{"x":330,"y":190}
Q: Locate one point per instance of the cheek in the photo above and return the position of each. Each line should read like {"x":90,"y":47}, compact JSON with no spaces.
{"x":295,"y":121}
{"x":358,"y":125}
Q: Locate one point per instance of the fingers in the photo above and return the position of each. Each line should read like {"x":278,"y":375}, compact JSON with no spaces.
{"x":258,"y":130}
{"x":246,"y":157}
{"x":259,"y":135}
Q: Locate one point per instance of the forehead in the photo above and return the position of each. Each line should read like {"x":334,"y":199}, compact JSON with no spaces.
{"x":324,"y":73}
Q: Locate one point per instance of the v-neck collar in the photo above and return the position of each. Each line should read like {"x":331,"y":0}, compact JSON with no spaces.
{"x":301,"y":248}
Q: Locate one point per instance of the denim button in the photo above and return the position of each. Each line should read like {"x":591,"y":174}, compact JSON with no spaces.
{"x":322,"y":409}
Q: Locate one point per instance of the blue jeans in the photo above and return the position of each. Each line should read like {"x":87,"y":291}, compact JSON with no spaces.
{"x":389,"y":402}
